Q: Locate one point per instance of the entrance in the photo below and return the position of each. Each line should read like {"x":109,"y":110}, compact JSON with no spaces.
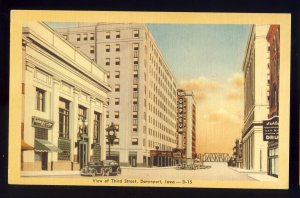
{"x":133,"y":158}
{"x":44,"y":160}
{"x":83,"y":153}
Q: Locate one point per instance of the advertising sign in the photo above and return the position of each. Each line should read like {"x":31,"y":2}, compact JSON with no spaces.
{"x":270,"y":129}
{"x":181,"y":110}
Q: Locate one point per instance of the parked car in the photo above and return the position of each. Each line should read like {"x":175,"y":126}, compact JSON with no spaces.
{"x":103,"y":168}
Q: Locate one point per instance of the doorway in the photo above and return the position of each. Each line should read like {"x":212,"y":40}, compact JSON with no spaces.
{"x":44,"y":160}
{"x":83,"y":154}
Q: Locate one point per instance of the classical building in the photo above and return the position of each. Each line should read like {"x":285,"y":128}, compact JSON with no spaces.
{"x":143,"y":101}
{"x":273,"y":38}
{"x":237,"y":154}
{"x":186,"y":123}
{"x":64,"y":97}
{"x":256,"y":105}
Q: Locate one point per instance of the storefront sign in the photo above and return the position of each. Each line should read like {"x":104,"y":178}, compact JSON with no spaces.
{"x":177,"y":154}
{"x":270,"y":129}
{"x":42,"y":123}
{"x":180,"y":111}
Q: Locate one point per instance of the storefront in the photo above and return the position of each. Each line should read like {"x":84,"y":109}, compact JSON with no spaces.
{"x":161,"y":158}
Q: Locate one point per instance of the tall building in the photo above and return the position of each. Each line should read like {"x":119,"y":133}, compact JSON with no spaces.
{"x":255,"y":68}
{"x":186,"y":123}
{"x":64,"y":97}
{"x":273,"y":38}
{"x":143,"y":101}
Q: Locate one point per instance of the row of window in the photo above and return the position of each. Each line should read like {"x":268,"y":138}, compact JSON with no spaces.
{"x":84,"y":37}
{"x":117,"y":34}
{"x":64,"y":115}
{"x":117,"y":74}
{"x":134,"y":141}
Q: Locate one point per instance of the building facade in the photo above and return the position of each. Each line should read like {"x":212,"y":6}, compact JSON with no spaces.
{"x":143,"y":100}
{"x":64,"y":97}
{"x":273,"y":38}
{"x":186,"y":123}
{"x":255,"y":68}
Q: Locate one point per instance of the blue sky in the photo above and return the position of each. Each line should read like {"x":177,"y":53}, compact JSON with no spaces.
{"x":213,"y":51}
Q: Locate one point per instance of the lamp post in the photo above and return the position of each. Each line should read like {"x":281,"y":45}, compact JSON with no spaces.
{"x":156,"y":147}
{"x":111,"y":136}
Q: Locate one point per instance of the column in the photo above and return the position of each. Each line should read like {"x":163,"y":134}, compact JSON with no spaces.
{"x":102,"y":131}
{"x":91,"y":127}
{"x":74,"y":125}
{"x":29,"y":108}
{"x":55,"y":118}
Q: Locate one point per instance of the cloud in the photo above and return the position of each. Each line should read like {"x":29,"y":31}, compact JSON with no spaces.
{"x":235,"y":94}
{"x":237,"y":79}
{"x":200,"y":86}
{"x":220,"y":116}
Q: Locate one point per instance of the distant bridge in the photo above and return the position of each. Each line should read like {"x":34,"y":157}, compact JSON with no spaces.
{"x":215,"y":157}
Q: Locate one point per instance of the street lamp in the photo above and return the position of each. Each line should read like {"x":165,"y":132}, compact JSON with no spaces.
{"x":156,"y":147}
{"x":111,"y":136}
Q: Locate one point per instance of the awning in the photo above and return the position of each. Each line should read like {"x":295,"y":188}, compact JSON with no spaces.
{"x":45,"y":146}
{"x":25,"y":146}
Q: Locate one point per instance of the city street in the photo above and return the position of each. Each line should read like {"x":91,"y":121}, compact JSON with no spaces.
{"x":218,"y":171}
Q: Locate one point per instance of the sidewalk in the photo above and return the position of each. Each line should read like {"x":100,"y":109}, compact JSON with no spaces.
{"x":260,"y":176}
{"x":48,"y":173}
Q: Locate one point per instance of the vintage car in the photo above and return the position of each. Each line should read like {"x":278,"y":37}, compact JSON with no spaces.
{"x":103,"y":168}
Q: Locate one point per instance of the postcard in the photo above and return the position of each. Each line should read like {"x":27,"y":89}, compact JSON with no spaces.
{"x":146,"y":99}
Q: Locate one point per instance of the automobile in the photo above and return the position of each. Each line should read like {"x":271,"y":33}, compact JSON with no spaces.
{"x":103,"y":168}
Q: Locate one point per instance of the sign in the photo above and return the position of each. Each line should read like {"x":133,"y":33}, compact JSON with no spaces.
{"x":42,"y":123}
{"x":270,"y":129}
{"x":180,"y":111}
{"x":177,"y":154}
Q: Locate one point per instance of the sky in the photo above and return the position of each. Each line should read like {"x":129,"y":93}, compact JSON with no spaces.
{"x":207,"y":59}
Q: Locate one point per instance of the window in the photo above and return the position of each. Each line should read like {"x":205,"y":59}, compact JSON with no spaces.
{"x":135,"y":61}
{"x":117,"y":114}
{"x":117,"y":47}
{"x":92,"y":36}
{"x":117,"y":87}
{"x":118,"y":34}
{"x":65,"y":37}
{"x":92,"y":49}
{"x":135,"y":87}
{"x":135,"y":46}
{"x":107,"y":48}
{"x":107,"y":101}
{"x":117,"y":101}
{"x":107,"y":35}
{"x":107,"y":114}
{"x":64,"y":117}
{"x":78,"y":37}
{"x":97,"y":126}
{"x":117,"y":127}
{"x":82,"y":117}
{"x":134,"y":141}
{"x":135,"y":33}
{"x":108,"y":75}
{"x":41,"y":133}
{"x":40,"y":99}
{"x":107,"y":61}
{"x":117,"y":74}
{"x":116,"y":141}
{"x":117,"y":61}
{"x":135,"y":107}
{"x":134,"y":129}
{"x":85,"y":36}
{"x":135,"y":121}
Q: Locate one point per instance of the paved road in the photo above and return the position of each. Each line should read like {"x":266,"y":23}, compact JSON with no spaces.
{"x":218,"y":171}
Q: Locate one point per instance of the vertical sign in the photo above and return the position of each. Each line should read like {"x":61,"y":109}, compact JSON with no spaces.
{"x":180,"y":110}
